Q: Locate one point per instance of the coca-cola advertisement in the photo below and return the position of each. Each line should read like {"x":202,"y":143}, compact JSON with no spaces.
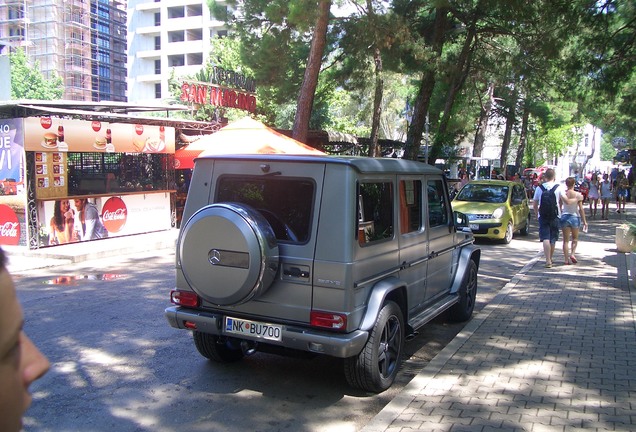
{"x":12,"y":181}
{"x":69,"y":135}
{"x":114,"y":214}
{"x":82,"y":219}
{"x":9,"y":226}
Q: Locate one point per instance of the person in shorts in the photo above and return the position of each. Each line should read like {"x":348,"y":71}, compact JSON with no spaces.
{"x":622,"y":191}
{"x":548,"y":229}
{"x":572,"y":216}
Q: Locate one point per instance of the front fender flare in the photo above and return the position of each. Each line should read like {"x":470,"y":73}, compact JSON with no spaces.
{"x":468,"y":253}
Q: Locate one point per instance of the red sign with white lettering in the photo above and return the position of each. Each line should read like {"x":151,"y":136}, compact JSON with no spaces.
{"x":114,"y":214}
{"x":9,"y":226}
{"x":46,"y":122}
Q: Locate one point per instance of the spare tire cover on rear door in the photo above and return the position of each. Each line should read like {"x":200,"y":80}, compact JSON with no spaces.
{"x":228,"y":253}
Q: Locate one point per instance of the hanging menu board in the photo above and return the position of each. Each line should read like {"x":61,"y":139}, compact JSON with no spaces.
{"x":51,"y":175}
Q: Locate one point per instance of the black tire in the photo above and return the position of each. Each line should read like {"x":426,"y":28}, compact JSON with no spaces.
{"x":375,"y":368}
{"x":526,"y":228}
{"x":509,"y":233}
{"x":463,"y":310}
{"x":221,"y":350}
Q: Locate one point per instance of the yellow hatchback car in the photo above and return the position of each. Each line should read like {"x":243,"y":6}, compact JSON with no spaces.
{"x":496,"y":209}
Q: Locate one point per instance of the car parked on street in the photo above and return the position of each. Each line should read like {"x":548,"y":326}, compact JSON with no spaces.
{"x":496,"y":209}
{"x":321,"y":255}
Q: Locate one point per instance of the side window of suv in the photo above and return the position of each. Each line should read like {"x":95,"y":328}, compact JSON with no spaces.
{"x":437,"y":205}
{"x":410,"y":206}
{"x":375,"y":212}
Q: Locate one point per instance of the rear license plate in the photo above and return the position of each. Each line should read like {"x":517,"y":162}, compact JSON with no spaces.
{"x":253,"y":329}
{"x":474,"y":227}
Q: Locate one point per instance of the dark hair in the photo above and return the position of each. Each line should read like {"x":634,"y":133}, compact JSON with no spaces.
{"x":57,"y":215}
{"x":3,"y":259}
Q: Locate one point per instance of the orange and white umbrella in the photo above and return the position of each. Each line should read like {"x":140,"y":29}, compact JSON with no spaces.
{"x":245,"y":136}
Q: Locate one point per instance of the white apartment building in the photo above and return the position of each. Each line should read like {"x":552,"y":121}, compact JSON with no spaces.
{"x":81,"y":41}
{"x":164,"y":36}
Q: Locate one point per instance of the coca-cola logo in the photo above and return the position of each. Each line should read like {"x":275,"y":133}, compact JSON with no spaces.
{"x":46,"y":122}
{"x":139,"y":129}
{"x":96,"y":125}
{"x":114,"y":214}
{"x":9,"y":226}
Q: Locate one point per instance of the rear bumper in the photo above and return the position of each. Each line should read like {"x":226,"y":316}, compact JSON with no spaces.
{"x":294,"y":337}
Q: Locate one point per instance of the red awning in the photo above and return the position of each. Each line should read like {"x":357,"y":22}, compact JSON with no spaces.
{"x":184,"y":158}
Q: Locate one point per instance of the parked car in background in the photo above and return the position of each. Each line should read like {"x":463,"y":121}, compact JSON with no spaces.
{"x":496,"y":209}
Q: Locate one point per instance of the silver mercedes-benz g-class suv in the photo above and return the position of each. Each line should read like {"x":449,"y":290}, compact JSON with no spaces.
{"x":340,"y":256}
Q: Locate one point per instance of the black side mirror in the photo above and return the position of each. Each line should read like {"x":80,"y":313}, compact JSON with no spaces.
{"x":461,"y":222}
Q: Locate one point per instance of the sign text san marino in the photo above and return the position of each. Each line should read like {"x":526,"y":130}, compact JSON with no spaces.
{"x":215,"y":93}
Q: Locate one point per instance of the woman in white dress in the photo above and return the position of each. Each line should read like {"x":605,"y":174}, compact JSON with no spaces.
{"x":593,"y":195}
{"x":605,"y":188}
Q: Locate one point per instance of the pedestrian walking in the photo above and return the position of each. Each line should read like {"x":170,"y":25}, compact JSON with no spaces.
{"x":546,"y":210}
{"x":593,"y":195}
{"x":606,"y":195}
{"x":622,"y":190}
{"x":572,"y":217}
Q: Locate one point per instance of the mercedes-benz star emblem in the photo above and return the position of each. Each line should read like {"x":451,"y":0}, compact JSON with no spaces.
{"x":214,"y":256}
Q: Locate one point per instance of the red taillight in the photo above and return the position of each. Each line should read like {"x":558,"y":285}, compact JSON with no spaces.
{"x":328,"y":320}
{"x":184,"y":298}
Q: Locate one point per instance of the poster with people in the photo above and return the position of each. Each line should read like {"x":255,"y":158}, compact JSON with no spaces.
{"x":12,"y":180}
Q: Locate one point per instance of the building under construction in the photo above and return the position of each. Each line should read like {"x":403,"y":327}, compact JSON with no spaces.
{"x":81,"y":41}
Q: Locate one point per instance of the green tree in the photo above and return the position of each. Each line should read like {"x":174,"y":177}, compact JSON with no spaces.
{"x":27,"y":82}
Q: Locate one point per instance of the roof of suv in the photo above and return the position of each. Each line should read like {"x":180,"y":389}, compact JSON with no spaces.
{"x":361,"y":164}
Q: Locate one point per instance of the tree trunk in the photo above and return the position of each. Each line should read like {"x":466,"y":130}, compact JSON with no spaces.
{"x":374,"y":148}
{"x":482,"y":125}
{"x":422,"y":102}
{"x":459,"y":75}
{"x":523,"y":138}
{"x":511,"y":118}
{"x":310,"y":80}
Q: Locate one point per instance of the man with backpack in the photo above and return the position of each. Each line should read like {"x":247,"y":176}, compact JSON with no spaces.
{"x":546,"y":209}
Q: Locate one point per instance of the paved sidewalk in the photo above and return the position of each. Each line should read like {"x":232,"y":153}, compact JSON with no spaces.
{"x":554,"y":351}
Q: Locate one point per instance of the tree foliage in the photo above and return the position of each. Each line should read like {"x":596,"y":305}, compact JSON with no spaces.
{"x":27,"y":82}
{"x":539,"y":69}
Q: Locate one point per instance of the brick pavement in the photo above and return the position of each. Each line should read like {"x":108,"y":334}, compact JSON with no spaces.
{"x":554,"y":351}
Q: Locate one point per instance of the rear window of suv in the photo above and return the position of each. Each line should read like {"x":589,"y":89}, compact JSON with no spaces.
{"x":286,"y":203}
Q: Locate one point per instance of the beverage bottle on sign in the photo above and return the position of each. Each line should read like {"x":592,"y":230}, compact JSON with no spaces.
{"x":162,"y":133}
{"x":60,"y":133}
{"x":109,"y":137}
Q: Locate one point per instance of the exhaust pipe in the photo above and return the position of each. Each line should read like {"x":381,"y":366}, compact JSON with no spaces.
{"x":248,"y":347}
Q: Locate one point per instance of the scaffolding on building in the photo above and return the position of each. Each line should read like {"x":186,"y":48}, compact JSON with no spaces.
{"x":83,"y":42}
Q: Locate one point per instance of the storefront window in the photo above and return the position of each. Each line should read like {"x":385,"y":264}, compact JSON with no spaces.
{"x":99,"y":173}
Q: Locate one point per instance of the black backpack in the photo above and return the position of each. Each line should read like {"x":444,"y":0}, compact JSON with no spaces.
{"x":548,"y":209}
